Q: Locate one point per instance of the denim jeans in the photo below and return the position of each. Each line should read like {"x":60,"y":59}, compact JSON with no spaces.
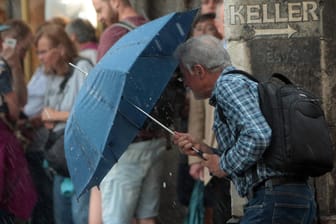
{"x":282,"y":204}
{"x":67,"y":209}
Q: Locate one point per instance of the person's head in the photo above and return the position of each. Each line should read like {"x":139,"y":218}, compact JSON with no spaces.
{"x":209,"y":6}
{"x":81,"y":31}
{"x":21,"y":32}
{"x":59,"y":20}
{"x":123,"y":9}
{"x":54,"y":48}
{"x":202,"y":59}
{"x":205,"y":24}
{"x":219,"y":21}
{"x":105,"y":13}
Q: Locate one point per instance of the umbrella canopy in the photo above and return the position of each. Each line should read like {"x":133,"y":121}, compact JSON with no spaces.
{"x":103,"y":121}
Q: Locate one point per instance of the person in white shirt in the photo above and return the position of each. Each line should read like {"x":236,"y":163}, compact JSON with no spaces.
{"x":83,"y":34}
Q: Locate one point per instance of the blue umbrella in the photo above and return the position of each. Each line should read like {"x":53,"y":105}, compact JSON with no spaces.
{"x":103,"y":121}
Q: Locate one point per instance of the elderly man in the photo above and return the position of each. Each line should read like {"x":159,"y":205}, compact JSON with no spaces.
{"x":242,"y":137}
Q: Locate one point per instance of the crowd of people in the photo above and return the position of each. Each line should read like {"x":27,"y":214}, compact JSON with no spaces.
{"x":35,"y":185}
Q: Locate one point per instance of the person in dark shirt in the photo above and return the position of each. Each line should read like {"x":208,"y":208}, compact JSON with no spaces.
{"x":131,"y":189}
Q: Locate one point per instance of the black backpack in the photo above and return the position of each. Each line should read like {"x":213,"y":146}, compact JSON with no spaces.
{"x":301,"y":142}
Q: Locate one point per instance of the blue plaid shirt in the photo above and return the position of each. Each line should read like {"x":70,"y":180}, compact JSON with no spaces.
{"x":245,"y":135}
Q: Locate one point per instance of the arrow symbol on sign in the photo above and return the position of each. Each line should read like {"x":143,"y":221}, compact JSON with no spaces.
{"x":264,"y":32}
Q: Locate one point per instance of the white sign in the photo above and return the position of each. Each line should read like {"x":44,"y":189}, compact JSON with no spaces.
{"x":273,"y":13}
{"x":294,"y":12}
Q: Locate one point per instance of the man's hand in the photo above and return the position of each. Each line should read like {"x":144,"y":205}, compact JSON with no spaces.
{"x":212,"y":161}
{"x":189,"y":146}
{"x":185,"y":141}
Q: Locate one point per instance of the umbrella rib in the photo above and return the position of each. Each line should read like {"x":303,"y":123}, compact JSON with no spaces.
{"x":86,"y":155}
{"x":199,"y":152}
{"x":153,"y":119}
{"x":126,"y":117}
{"x":95,"y":94}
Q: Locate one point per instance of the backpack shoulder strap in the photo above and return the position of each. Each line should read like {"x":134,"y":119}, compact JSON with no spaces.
{"x":128,"y":25}
{"x":241,"y":72}
{"x":221,"y":115}
{"x":213,"y":102}
{"x":65,"y":80}
{"x":282,"y":78}
{"x":80,"y":58}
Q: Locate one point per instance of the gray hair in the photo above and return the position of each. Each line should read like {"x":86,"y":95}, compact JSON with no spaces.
{"x":205,"y":50}
{"x":83,"y":30}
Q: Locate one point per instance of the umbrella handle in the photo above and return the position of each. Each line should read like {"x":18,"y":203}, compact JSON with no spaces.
{"x":199,"y":152}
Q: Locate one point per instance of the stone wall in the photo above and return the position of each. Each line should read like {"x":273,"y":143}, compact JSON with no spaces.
{"x":296,"y":38}
{"x":326,"y":185}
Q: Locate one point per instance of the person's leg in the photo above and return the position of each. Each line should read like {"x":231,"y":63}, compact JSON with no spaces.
{"x":209,"y":198}
{"x":184,"y":182}
{"x":62,"y":203}
{"x":149,"y":199}
{"x":95,"y":209}
{"x":80,"y":208}
{"x":208,"y":215}
{"x":43,"y":211}
{"x":121,"y":186}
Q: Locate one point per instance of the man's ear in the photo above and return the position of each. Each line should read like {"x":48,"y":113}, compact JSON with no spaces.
{"x":199,"y":70}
